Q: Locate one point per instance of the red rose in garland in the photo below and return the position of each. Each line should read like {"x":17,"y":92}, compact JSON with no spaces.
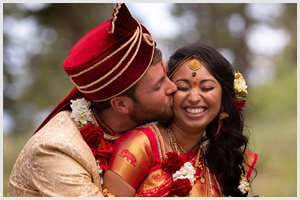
{"x":173,"y":162}
{"x":92,"y":135}
{"x":103,"y":151}
{"x":181,"y":188}
{"x":239,"y":104}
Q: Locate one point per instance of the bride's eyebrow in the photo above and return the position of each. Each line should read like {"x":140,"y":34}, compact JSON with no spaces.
{"x":184,"y":80}
{"x":205,"y":80}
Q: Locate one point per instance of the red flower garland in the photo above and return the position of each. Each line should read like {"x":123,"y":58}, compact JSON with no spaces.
{"x":173,"y":162}
{"x":179,"y":187}
{"x":93,"y":135}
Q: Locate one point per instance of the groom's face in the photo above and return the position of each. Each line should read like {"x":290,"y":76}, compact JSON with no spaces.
{"x":154,"y":96}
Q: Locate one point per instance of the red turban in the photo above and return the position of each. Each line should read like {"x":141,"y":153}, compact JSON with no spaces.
{"x":108,"y":60}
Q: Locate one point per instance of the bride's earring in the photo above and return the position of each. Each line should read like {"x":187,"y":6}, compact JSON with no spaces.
{"x":222,"y":116}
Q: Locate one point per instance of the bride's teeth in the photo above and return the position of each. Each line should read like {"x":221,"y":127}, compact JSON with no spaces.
{"x":195,"y":110}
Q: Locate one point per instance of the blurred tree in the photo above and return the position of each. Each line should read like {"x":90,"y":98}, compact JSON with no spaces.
{"x":288,"y":58}
{"x":227,"y":27}
{"x":223,"y":26}
{"x":35,"y":80}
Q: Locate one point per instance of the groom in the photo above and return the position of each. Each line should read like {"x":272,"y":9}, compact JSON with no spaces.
{"x":120,"y":83}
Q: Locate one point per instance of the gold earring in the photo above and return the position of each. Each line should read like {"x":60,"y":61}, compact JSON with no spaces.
{"x":222,"y":116}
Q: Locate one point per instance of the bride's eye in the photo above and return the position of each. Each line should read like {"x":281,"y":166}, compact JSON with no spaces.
{"x":182,"y":88}
{"x":206,"y":89}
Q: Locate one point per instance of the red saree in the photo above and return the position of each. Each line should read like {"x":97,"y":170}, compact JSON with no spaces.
{"x":137,"y":159}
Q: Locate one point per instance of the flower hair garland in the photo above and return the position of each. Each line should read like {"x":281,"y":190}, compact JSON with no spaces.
{"x":240,"y":90}
{"x":244,"y":186}
{"x":93,"y":135}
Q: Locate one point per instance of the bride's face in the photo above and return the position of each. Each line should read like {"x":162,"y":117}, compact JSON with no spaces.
{"x":198,"y":97}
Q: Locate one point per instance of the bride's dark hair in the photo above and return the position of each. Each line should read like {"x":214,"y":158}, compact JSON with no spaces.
{"x":225,"y":155}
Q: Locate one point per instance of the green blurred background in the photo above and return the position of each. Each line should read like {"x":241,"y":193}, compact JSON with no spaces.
{"x":260,"y":40}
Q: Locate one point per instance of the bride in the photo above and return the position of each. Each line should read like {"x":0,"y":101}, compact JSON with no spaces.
{"x":202,"y":151}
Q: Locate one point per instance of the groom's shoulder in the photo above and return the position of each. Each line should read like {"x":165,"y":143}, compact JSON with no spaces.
{"x":61,"y":128}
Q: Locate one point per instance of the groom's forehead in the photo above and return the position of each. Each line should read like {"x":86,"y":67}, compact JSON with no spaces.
{"x":154,"y":74}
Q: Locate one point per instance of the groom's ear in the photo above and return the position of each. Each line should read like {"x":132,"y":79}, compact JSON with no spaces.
{"x":122,"y":104}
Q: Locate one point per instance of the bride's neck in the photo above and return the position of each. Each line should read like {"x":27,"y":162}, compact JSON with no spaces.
{"x":187,"y":138}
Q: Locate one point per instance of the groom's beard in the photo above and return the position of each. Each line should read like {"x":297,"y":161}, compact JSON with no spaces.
{"x":142,"y":115}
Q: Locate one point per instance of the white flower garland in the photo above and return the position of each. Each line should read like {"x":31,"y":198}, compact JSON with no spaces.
{"x":186,"y":171}
{"x":80,"y":111}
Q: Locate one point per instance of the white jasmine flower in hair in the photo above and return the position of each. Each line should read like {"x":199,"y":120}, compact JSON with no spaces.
{"x":244,"y":185}
{"x":80,"y":111}
{"x":186,"y":171}
{"x":240,"y":86}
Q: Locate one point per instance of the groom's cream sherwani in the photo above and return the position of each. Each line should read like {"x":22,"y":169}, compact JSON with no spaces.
{"x":56,"y":161}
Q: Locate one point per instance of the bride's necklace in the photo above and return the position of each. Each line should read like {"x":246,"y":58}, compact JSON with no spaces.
{"x":198,"y":163}
{"x":179,"y":150}
{"x":173,"y":142}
